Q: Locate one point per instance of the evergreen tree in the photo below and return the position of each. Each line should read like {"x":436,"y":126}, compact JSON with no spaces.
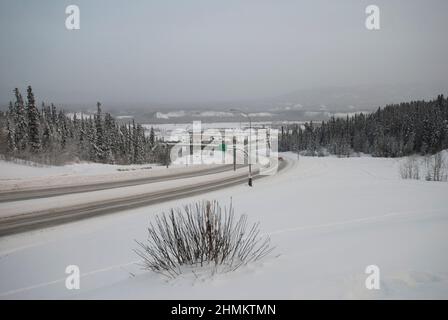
{"x":46,"y":137}
{"x":99,"y":144}
{"x":20,"y":121}
{"x":11,"y":136}
{"x":151,"y":137}
{"x":109,"y":143}
{"x":33,"y":122}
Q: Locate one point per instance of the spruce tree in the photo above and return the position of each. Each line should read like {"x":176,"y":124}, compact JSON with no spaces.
{"x":20,"y":121}
{"x":33,"y":122}
{"x":99,"y":144}
{"x":11,"y":136}
{"x":151,"y":137}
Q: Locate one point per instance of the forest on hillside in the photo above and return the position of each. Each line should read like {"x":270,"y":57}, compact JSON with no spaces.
{"x":47,"y":135}
{"x":416,"y":127}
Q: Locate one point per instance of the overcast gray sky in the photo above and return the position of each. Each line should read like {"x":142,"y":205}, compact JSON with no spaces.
{"x":203,"y":50}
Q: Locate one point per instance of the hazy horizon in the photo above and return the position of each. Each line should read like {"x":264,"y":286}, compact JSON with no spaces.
{"x":208,"y":52}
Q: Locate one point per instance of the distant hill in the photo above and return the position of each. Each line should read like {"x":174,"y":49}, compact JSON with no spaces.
{"x":345,"y":99}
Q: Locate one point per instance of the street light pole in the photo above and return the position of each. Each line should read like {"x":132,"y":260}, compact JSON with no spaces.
{"x":250,"y":151}
{"x":250,"y":183}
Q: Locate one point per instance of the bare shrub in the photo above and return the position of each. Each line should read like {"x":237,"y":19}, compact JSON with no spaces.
{"x":436,"y":168}
{"x":201,"y":235}
{"x":409,"y":169}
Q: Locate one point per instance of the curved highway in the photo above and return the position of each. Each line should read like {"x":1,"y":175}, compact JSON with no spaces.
{"x":26,"y":194}
{"x":46,"y":218}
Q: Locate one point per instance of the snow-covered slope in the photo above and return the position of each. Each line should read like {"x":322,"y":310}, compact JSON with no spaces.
{"x":19,"y":170}
{"x":329,"y":218}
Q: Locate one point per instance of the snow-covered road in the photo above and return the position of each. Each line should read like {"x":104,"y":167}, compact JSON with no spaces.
{"x":329,"y":218}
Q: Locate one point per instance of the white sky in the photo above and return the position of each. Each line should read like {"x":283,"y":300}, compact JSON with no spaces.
{"x":175,"y":51}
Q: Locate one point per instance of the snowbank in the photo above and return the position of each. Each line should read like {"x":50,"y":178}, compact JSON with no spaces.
{"x":14,"y":176}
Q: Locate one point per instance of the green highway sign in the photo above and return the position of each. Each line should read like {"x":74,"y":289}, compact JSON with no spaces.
{"x":223,"y":147}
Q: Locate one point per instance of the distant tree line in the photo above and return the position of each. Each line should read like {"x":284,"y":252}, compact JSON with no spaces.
{"x":393,"y":131}
{"x":48,"y":135}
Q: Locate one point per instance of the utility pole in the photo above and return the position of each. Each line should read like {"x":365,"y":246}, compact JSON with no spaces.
{"x":250,"y":151}
{"x":234,"y":153}
{"x":250,"y":144}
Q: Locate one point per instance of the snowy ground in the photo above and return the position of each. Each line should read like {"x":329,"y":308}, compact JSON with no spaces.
{"x":11,"y":171}
{"x":329,"y":218}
